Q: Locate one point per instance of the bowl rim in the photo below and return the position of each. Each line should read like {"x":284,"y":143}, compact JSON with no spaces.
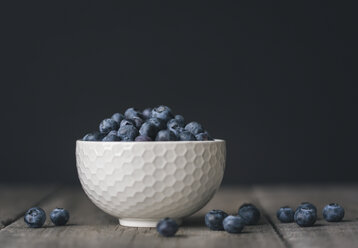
{"x":152,"y":142}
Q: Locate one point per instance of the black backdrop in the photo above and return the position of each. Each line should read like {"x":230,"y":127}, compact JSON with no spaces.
{"x":277,"y":81}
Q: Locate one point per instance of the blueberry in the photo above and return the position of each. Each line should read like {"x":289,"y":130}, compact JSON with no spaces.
{"x":108,"y":125}
{"x":307,"y":205}
{"x":214,"y":219}
{"x":143,"y":138}
{"x":160,"y":124}
{"x":305,"y":216}
{"x":127,"y":133}
{"x":126,"y":122}
{"x":117,"y":117}
{"x":333,"y":212}
{"x":112,"y":136}
{"x":186,"y":136}
{"x":148,"y":129}
{"x":59,"y":216}
{"x":137,"y":121}
{"x":249,"y":213}
{"x":285,"y":214}
{"x":180,"y":119}
{"x":95,"y":136}
{"x":162,"y":112}
{"x":146,"y":113}
{"x":174,"y":124}
{"x":194,"y":127}
{"x":132,"y":112}
{"x":35,"y":217}
{"x":233,"y":224}
{"x":167,"y":227}
{"x":165,"y":135}
{"x":203,"y":136}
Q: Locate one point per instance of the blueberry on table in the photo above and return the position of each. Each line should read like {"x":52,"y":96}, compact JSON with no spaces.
{"x":333,"y":212}
{"x":203,"y":136}
{"x":142,"y":138}
{"x":127,"y":133}
{"x":162,"y":112}
{"x":35,"y":217}
{"x":249,"y":213}
{"x":148,"y":129}
{"x":186,"y":136}
{"x":214,"y":219}
{"x":305,"y":217}
{"x":233,"y":224}
{"x":180,"y":119}
{"x":307,"y":205}
{"x":146,"y":113}
{"x":118,"y":117}
{"x":59,"y":216}
{"x":285,"y":214}
{"x":126,"y":122}
{"x":95,"y":136}
{"x":194,"y":127}
{"x":132,"y":112}
{"x":160,"y":124}
{"x":167,"y":227}
{"x":111,"y":137}
{"x":166,"y":135}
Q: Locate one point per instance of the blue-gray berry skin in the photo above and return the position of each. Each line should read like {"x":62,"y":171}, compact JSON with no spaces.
{"x":203,"y":136}
{"x":35,"y":217}
{"x":180,"y":119}
{"x":127,"y":122}
{"x":59,"y":216}
{"x":127,"y":133}
{"x":162,"y":112}
{"x":112,"y":136}
{"x":186,"y":136}
{"x":333,"y":212}
{"x":166,"y":135}
{"x":117,"y":117}
{"x":194,"y":127}
{"x":167,"y":227}
{"x":174,"y":124}
{"x":305,"y":217}
{"x":95,"y":136}
{"x":132,"y":112}
{"x":214,"y":219}
{"x":160,"y":124}
{"x":149,"y":129}
{"x":138,"y":122}
{"x":233,"y":224}
{"x":147,"y":113}
{"x":249,"y":213}
{"x":307,"y":205}
{"x":285,"y":214}
{"x":108,"y":125}
{"x":142,"y":138}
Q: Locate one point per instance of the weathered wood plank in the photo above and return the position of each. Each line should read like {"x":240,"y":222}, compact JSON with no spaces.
{"x":323,"y":234}
{"x":90,"y":227}
{"x":15,"y":200}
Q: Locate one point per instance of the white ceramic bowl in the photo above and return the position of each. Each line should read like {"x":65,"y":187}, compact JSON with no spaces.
{"x":143,"y":182}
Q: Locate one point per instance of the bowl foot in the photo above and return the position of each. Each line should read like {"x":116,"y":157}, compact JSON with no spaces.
{"x":142,"y":222}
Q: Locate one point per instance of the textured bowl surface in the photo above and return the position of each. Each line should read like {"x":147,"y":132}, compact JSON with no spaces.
{"x":142,"y":182}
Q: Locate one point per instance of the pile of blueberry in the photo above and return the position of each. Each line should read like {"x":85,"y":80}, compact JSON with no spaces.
{"x":35,"y":217}
{"x":306,"y":214}
{"x":159,"y":124}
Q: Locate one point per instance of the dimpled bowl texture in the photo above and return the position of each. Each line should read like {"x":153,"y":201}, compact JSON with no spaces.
{"x":143,"y":182}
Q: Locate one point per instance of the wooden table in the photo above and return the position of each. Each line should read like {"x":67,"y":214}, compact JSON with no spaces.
{"x":90,"y":227}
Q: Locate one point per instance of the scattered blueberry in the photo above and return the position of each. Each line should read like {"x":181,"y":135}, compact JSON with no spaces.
{"x":147,"y":113}
{"x":333,"y":212}
{"x":305,"y":216}
{"x":112,"y":136}
{"x":142,"y":138}
{"x":127,"y":133}
{"x":117,"y":117}
{"x":148,"y":129}
{"x":162,"y":112}
{"x":132,"y":112}
{"x":59,"y":216}
{"x":285,"y":214}
{"x":35,"y":217}
{"x":167,"y":227}
{"x":249,"y":213}
{"x":108,"y":125}
{"x":95,"y":136}
{"x":233,"y":224}
{"x":214,"y":219}
{"x":180,"y":119}
{"x":203,"y":136}
{"x":186,"y":136}
{"x":307,"y":205}
{"x":166,"y":135}
{"x":194,"y":127}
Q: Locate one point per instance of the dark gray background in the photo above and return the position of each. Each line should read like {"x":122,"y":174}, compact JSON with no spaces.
{"x":277,"y":81}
